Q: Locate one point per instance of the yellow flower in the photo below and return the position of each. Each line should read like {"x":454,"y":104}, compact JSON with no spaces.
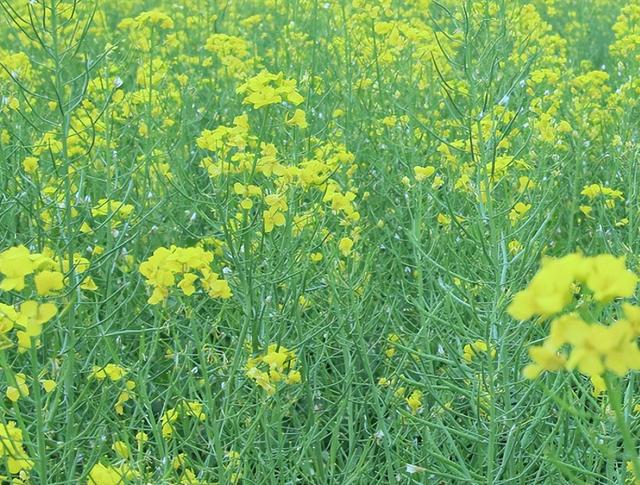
{"x":121,"y":449}
{"x":215,"y":287}
{"x":475,"y":349}
{"x":30,"y":165}
{"x":165,"y":264}
{"x":598,"y":384}
{"x":168,"y":419}
{"x":518,"y":211}
{"x":124,"y":396}
{"x":48,"y":385}
{"x":8,"y":317}
{"x":345,"y":246}
{"x":265,"y":96}
{"x":48,"y":282}
{"x":514,"y":246}
{"x":525,"y":183}
{"x":294,"y":377}
{"x":112,"y":371}
{"x":88,"y":284}
{"x":109,"y":475}
{"x":15,"y":264}
{"x":609,"y":278}
{"x":443,"y":219}
{"x":187,"y":283}
{"x":31,"y":318}
{"x":550,"y":290}
{"x":422,"y":173}
{"x":414,"y":401}
{"x":631,"y":312}
{"x":20,"y":389}
{"x":11,"y":447}
{"x":544,"y":358}
{"x":437,"y":182}
{"x":586,"y":210}
{"x":298,"y":119}
{"x":279,"y":363}
{"x":273,"y":218}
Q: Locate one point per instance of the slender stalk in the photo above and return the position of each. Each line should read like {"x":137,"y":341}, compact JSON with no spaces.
{"x":613,"y":391}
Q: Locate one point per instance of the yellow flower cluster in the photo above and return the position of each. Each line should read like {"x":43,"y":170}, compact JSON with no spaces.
{"x":552,"y":288}
{"x":266,"y":88}
{"x":110,"y":475}
{"x":29,"y":318}
{"x":232,"y":52}
{"x":598,"y":190}
{"x":115,"y":373}
{"x":112,"y":371}
{"x":44,"y":273}
{"x":593,"y":347}
{"x":117,"y":211}
{"x":414,"y":401}
{"x":576,"y":340}
{"x":18,"y":262}
{"x":12,"y":449}
{"x":20,"y":389}
{"x":192,"y":264}
{"x":475,"y":349}
{"x":276,"y":365}
{"x":170,"y":417}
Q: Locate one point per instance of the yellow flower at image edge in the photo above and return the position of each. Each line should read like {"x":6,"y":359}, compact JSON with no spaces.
{"x":19,"y":390}
{"x":12,"y":450}
{"x":15,"y":264}
{"x":552,"y":288}
{"x":592,"y":349}
{"x":109,"y":475}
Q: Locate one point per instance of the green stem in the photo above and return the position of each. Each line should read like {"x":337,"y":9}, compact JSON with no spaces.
{"x":629,"y":444}
{"x":40,"y":436}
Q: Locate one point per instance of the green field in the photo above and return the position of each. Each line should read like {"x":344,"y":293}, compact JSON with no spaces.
{"x":307,"y":242}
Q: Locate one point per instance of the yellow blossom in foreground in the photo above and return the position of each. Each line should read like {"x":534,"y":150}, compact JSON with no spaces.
{"x":109,"y":475}
{"x":48,"y":282}
{"x":121,"y":449}
{"x":551,"y":289}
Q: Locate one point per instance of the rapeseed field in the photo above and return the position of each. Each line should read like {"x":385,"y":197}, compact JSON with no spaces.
{"x":319,"y":242}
